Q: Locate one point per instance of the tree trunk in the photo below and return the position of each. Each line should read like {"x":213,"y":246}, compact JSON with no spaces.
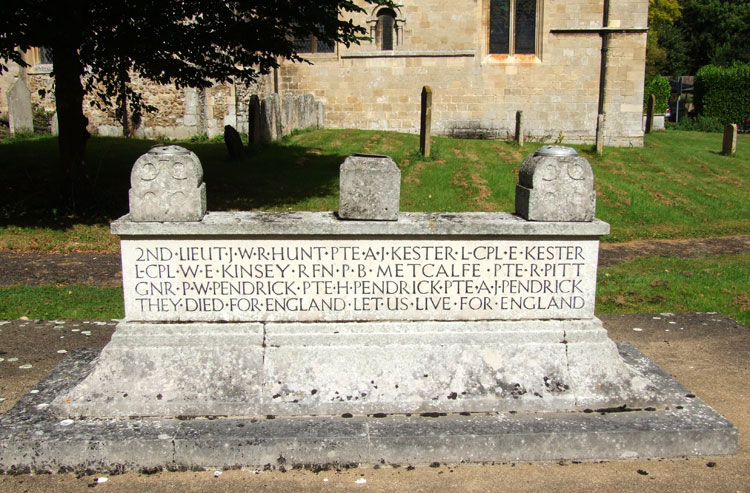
{"x":73,"y":136}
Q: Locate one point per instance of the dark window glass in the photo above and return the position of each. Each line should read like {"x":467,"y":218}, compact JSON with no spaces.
{"x":386,"y":28}
{"x":45,"y":55}
{"x":324,"y":47}
{"x":303,"y":45}
{"x":525,"y":26}
{"x":499,"y":26}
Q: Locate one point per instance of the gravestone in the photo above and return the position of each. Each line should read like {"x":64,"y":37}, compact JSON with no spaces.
{"x":270,"y":119}
{"x":233,"y":142}
{"x":729,"y":145}
{"x":425,"y":121}
{"x":433,"y":337}
{"x":54,"y":126}
{"x":519,"y":128}
{"x":254,"y":119}
{"x":555,"y":184}
{"x":20,"y":117}
{"x":600,"y":121}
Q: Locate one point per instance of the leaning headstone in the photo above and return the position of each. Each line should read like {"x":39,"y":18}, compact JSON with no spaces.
{"x":369,"y":188}
{"x":519,"y":128}
{"x":729,"y":147}
{"x":650,"y":109}
{"x":254,"y":119}
{"x":19,"y":108}
{"x":166,"y":184}
{"x":234,"y":142}
{"x":555,"y":184}
{"x":425,"y":121}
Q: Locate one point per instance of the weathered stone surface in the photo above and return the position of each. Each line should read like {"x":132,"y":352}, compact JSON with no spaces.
{"x":430,"y":224}
{"x":369,"y":188}
{"x":54,"y":127}
{"x":729,"y":145}
{"x":355,"y":279}
{"x":173,"y":370}
{"x":32,"y":436}
{"x":296,"y":369}
{"x":320,"y":114}
{"x":233,"y":142}
{"x":270,"y":119}
{"x":555,"y":184}
{"x":167,"y":185}
{"x":19,"y":107}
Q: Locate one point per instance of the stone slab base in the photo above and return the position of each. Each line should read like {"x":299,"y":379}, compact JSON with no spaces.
{"x":303,"y":369}
{"x":32,"y":438}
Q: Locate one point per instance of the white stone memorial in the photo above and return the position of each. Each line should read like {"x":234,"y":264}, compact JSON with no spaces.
{"x":306,"y":313}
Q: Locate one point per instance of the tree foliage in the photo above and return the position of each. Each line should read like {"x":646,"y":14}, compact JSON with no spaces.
{"x":699,"y":33}
{"x":97,"y":44}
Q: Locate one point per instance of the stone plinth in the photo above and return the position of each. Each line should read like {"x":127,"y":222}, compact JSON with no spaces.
{"x":295,"y":314}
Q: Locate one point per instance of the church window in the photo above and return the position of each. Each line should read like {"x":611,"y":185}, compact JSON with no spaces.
{"x":513,"y":26}
{"x":385,"y":30}
{"x":311,"y":44}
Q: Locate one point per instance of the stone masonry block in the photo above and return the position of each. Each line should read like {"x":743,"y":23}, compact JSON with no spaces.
{"x":167,"y":185}
{"x":555,"y":184}
{"x":370,"y":188}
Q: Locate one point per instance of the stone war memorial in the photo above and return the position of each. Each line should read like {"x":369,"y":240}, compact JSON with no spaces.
{"x":362,"y":336}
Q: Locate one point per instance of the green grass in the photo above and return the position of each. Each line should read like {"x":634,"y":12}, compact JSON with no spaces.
{"x":647,"y":285}
{"x":669,"y":284}
{"x":677,"y":186}
{"x":78,"y":302}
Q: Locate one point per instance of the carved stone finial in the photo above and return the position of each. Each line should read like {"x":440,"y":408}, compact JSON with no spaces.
{"x":555,"y":184}
{"x":167,"y":185}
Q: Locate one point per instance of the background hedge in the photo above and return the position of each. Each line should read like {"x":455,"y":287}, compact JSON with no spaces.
{"x":658,"y":86}
{"x":723,"y":93}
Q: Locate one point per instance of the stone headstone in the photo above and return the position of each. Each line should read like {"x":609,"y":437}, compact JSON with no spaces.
{"x":370,"y":188}
{"x":270,"y":119}
{"x":519,"y":128}
{"x":425,"y":121}
{"x":166,"y":184}
{"x":555,"y":184}
{"x":729,"y":147}
{"x":320,"y":114}
{"x":304,"y":111}
{"x":288,"y":119}
{"x":20,"y":116}
{"x":54,"y":126}
{"x":234,"y":142}
{"x":600,"y":121}
{"x":254,"y":119}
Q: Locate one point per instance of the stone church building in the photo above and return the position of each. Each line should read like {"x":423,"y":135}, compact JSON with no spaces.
{"x":484,"y":60}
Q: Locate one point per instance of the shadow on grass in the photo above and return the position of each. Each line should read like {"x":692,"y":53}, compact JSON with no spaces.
{"x":271,"y":177}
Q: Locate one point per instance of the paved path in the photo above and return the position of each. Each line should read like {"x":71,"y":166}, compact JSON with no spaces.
{"x":706,"y":352}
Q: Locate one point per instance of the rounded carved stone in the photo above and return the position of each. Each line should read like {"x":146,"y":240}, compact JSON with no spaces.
{"x":166,"y":184}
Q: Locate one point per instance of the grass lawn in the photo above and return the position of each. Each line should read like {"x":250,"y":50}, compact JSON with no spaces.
{"x":677,"y":186}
